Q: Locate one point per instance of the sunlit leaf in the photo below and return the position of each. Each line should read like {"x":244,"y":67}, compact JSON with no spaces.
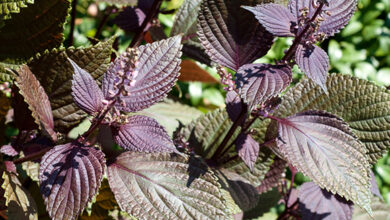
{"x":231,"y":35}
{"x":8,"y":150}
{"x":186,"y":21}
{"x":362,"y":104}
{"x":380,"y":211}
{"x":13,"y":6}
{"x":35,"y":29}
{"x":162,"y":185}
{"x":259,"y":82}
{"x":322,"y":147}
{"x":143,"y":134}
{"x":158,"y":69}
{"x":20,"y":204}
{"x":55,"y":74}
{"x":85,"y":91}
{"x":316,"y":203}
{"x":37,"y":100}
{"x":314,"y":62}
{"x":276,"y":18}
{"x":69,"y":176}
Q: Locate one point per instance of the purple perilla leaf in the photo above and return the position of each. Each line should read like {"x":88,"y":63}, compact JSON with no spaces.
{"x":156,"y":71}
{"x":8,"y":150}
{"x":248,"y":149}
{"x":70,"y":176}
{"x":338,"y":13}
{"x":230,"y":34}
{"x":143,"y":134}
{"x":233,"y":105}
{"x":323,"y":147}
{"x":258,"y":83}
{"x":314,"y":62}
{"x":276,"y":18}
{"x":374,"y":186}
{"x":85,"y":91}
{"x":316,"y":203}
{"x":131,"y":18}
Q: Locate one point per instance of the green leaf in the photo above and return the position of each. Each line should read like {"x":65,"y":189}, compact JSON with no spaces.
{"x":12,"y":6}
{"x":55,"y":74}
{"x":380,"y":211}
{"x":185,"y":21}
{"x":35,"y":29}
{"x":170,"y":114}
{"x":18,"y":200}
{"x":266,"y":202}
{"x":167,"y":186}
{"x":6,"y":75}
{"x":121,"y":2}
{"x":207,"y":132}
{"x":241,"y":190}
{"x":362,"y":104}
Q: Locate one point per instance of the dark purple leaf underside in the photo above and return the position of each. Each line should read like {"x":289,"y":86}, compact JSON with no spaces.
{"x":340,"y":11}
{"x":322,"y":147}
{"x":230,"y":34}
{"x":276,"y":18}
{"x":248,"y":149}
{"x":314,"y":62}
{"x":316,"y":203}
{"x":69,"y":176}
{"x":258,"y":83}
{"x":130,"y":19}
{"x":158,"y":69}
{"x":143,"y":134}
{"x":233,"y":105}
{"x":37,"y":100}
{"x":85,"y":91}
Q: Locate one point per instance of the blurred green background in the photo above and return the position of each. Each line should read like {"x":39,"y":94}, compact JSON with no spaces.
{"x":361,"y":49}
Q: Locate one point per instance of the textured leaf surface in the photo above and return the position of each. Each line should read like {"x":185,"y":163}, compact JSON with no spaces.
{"x":143,"y":134}
{"x":362,"y":104}
{"x":32,"y":170}
{"x":260,"y":169}
{"x":20,"y":204}
{"x":164,"y":186}
{"x":247,"y":149}
{"x":13,"y":6}
{"x":259,"y":82}
{"x":242,"y":191}
{"x":233,"y":105}
{"x":35,"y":29}
{"x":122,"y":2}
{"x":274,"y":176}
{"x":55,"y":74}
{"x":316,"y":203}
{"x":322,"y":147}
{"x":85,"y":91}
{"x":314,"y":62}
{"x":374,"y":186}
{"x":37,"y":100}
{"x":69,"y":176}
{"x":158,"y":70}
{"x":230,"y":34}
{"x":171,"y":114}
{"x":186,"y":20}
{"x":380,"y":211}
{"x":8,"y":150}
{"x":340,"y":11}
{"x":276,"y":18}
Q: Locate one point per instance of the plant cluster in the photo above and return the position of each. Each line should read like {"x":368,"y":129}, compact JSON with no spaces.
{"x":228,"y":163}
